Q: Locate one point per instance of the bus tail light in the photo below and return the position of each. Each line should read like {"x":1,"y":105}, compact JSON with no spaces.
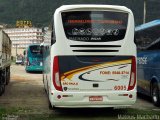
{"x":56,"y":77}
{"x":28,"y":62}
{"x":132,"y":81}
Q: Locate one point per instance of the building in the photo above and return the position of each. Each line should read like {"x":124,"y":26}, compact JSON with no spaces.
{"x":22,"y":37}
{"x":47,"y":36}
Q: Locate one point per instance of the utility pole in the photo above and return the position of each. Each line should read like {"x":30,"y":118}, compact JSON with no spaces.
{"x":16,"y":48}
{"x":144,"y":11}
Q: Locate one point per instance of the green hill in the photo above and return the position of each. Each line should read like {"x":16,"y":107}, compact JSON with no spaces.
{"x":40,"y":11}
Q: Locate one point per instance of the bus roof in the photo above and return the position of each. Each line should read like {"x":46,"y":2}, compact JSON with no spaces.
{"x":93,"y":6}
{"x":36,"y":44}
{"x":33,"y":45}
{"x":148,"y":25}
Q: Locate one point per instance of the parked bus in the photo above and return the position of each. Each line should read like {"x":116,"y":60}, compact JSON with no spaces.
{"x":33,"y":58}
{"x":90,"y":60}
{"x":147,"y":38}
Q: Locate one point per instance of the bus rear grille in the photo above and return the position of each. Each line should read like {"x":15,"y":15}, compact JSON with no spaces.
{"x":96,"y":46}
{"x":97,"y":50}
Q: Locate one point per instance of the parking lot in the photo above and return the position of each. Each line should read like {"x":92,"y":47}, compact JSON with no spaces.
{"x":26,"y":91}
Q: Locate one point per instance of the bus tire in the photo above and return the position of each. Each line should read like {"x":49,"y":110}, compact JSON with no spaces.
{"x":44,"y":86}
{"x":2,"y":89}
{"x":43,"y":78}
{"x":45,"y":90}
{"x":27,"y":71}
{"x":7,"y":75}
{"x":49,"y":105}
{"x":2,"y":83}
{"x":155,"y":94}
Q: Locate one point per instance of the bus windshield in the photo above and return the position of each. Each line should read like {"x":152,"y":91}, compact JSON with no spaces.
{"x":148,"y":37}
{"x":35,"y":50}
{"x":19,"y":57}
{"x":95,"y":26}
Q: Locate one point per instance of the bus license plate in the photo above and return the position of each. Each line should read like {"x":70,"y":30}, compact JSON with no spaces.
{"x":95,"y":98}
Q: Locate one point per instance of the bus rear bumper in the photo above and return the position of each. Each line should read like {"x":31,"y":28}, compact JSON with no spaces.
{"x":82,"y":100}
{"x":34,"y":68}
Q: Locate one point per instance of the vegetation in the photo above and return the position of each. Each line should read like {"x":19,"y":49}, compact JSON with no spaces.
{"x":40,"y":11}
{"x":79,"y":114}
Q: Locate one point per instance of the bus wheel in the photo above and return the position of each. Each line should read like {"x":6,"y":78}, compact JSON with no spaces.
{"x":2,"y":89}
{"x":2,"y":84}
{"x":155,"y":94}
{"x":8,"y":76}
{"x":49,"y":105}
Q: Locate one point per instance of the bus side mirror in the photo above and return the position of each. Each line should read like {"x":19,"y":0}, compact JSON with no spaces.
{"x":41,"y":48}
{"x":24,"y":53}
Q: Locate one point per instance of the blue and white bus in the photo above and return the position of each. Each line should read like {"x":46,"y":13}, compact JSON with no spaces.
{"x":147,"y":38}
{"x":90,"y":60}
{"x":33,"y":58}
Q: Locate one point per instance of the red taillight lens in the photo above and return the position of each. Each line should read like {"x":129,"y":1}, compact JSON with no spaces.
{"x":56,"y":76}
{"x":132,"y":81}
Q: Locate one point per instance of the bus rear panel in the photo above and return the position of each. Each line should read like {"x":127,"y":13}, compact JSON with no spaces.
{"x":93,"y":60}
{"x":34,"y":59}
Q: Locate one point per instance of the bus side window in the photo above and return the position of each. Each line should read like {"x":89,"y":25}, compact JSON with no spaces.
{"x":53,"y":37}
{"x":142,"y":39}
{"x":138,"y":41}
{"x":155,"y":46}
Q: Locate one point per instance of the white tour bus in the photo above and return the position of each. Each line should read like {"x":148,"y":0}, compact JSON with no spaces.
{"x":90,"y":60}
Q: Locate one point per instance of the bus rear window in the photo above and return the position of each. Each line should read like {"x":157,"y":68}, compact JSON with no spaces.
{"x":95,"y":26}
{"x":35,"y":49}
